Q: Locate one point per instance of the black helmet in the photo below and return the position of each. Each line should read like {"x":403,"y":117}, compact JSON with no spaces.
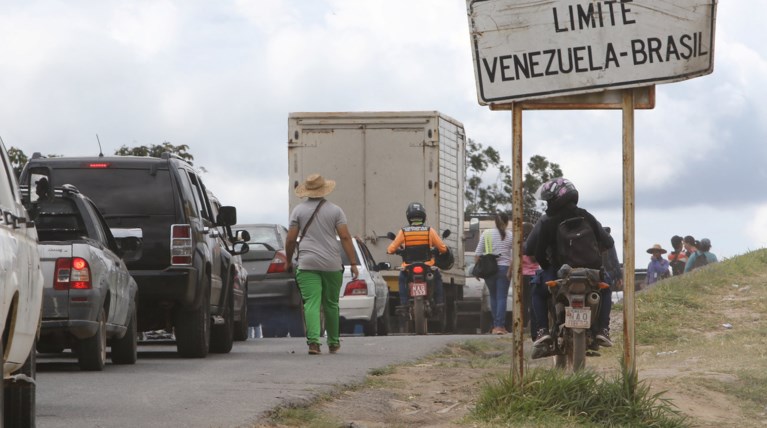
{"x":558,"y":192}
{"x":415,"y":212}
{"x":445,"y":261}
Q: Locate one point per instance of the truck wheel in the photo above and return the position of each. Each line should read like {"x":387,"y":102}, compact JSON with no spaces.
{"x":241,"y":326}
{"x":19,"y":398}
{"x":222,"y":335}
{"x":125,"y":349}
{"x":383,"y":321}
{"x":92,"y":351}
{"x":370,"y":328}
{"x":192,"y":329}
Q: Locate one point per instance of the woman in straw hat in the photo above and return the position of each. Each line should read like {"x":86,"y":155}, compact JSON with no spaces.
{"x":657,"y":269}
{"x":320,"y":269}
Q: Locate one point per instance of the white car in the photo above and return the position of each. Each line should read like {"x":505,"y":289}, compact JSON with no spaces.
{"x":366,"y":300}
{"x":21,"y":297}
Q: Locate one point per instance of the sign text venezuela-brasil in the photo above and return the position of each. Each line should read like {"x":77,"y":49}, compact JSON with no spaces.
{"x":532,"y":49}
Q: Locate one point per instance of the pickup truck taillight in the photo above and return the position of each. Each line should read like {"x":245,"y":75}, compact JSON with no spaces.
{"x":181,"y":244}
{"x":356,"y":288}
{"x":278,"y":263}
{"x":72,"y":274}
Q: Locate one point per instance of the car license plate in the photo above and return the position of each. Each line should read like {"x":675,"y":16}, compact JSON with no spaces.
{"x":577,"y":317}
{"x":417,"y":288}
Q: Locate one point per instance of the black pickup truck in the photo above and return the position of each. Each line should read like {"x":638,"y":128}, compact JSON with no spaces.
{"x":185,"y":276}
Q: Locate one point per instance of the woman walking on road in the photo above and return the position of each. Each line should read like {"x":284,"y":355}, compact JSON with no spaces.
{"x":497,"y":241}
{"x":320,"y":269}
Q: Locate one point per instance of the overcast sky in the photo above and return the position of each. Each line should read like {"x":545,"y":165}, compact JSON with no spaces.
{"x":222,"y":76}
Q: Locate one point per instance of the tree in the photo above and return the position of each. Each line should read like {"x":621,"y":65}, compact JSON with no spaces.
{"x":18,"y":160}
{"x":156,"y":150}
{"x":480,"y":198}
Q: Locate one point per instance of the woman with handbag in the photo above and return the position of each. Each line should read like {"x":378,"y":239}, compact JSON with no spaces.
{"x":496,"y":244}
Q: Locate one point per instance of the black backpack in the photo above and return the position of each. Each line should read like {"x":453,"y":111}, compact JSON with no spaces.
{"x":700,"y":260}
{"x":577,"y":244}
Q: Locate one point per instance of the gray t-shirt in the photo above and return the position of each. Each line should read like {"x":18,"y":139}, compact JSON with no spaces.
{"x":319,"y":249}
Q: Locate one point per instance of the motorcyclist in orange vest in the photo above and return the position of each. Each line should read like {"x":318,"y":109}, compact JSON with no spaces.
{"x":416,"y":242}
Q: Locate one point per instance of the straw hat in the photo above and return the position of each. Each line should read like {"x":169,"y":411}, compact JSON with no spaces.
{"x":655,"y":248}
{"x":315,"y":186}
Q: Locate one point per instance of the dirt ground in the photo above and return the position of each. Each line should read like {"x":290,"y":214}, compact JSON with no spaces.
{"x":440,"y":391}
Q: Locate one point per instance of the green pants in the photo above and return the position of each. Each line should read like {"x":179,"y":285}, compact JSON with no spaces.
{"x":320,"y":288}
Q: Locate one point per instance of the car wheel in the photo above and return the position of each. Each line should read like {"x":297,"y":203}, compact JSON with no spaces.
{"x":192,"y":329}
{"x":18,"y":398}
{"x":370,"y":327}
{"x":241,"y":326}
{"x":125,"y":349}
{"x":92,"y":351}
{"x":383,"y":321}
{"x":222,"y":335}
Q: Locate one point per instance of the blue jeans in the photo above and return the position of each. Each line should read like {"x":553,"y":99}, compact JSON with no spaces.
{"x":498,"y":286}
{"x":404,"y":296}
{"x":541,"y":296}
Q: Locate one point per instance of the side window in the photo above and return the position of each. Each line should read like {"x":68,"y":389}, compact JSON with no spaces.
{"x":199,"y":208}
{"x":98,"y":228}
{"x":105,"y":231}
{"x":201,"y":197}
{"x":366,"y":255}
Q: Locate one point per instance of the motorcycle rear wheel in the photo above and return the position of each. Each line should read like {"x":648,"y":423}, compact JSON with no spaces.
{"x":579,"y":350}
{"x":419,"y":315}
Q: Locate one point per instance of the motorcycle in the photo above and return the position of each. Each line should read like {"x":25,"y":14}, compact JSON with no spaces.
{"x":573,"y":309}
{"x":422,"y":306}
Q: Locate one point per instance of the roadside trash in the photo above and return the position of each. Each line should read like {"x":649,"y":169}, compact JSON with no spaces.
{"x":662,"y":354}
{"x":727,"y":326}
{"x":735,"y":285}
{"x":746,"y":288}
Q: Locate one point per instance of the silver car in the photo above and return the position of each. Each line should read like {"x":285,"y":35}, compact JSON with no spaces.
{"x":364,"y":301}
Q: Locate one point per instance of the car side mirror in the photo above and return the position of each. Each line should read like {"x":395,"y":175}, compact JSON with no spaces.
{"x":240,"y":247}
{"x":227,"y":216}
{"x":391,"y":235}
{"x":383,"y":266}
{"x":242,"y":235}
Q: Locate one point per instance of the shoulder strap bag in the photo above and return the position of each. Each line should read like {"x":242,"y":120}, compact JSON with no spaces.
{"x":306,"y":226}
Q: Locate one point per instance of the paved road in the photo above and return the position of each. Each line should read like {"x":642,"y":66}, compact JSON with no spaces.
{"x":230,"y":390}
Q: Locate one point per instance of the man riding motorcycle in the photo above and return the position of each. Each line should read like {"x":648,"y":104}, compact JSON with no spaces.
{"x":415,"y":242}
{"x":561,"y":199}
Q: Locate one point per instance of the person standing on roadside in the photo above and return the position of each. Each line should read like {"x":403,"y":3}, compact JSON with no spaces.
{"x":529,"y":268}
{"x":702,"y":255}
{"x":498,"y":285}
{"x":657,"y":269}
{"x":677,"y":258}
{"x":320,"y":269}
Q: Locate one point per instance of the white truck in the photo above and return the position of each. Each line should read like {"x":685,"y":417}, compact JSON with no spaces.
{"x":381,"y":162}
{"x":21,"y":296}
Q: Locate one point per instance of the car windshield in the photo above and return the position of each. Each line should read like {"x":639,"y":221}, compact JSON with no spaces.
{"x":264,"y":235}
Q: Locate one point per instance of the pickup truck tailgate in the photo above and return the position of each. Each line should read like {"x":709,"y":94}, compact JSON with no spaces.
{"x":55,"y":302}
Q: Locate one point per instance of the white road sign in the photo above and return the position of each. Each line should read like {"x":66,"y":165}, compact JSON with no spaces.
{"x":526,"y":49}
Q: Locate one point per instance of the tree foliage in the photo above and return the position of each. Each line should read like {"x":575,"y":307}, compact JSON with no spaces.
{"x":18,"y":160}
{"x":496,"y":196}
{"x":156,"y":150}
{"x":481,"y":197}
